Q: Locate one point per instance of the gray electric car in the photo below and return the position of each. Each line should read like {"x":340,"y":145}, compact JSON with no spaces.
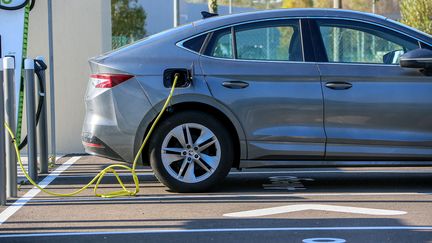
{"x":300,"y":87}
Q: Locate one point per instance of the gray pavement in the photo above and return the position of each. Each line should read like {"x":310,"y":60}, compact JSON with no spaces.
{"x":256,"y":205}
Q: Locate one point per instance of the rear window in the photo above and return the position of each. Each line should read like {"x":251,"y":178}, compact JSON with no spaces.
{"x":195,"y":44}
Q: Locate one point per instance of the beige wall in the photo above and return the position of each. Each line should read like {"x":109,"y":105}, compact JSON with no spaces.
{"x":82,"y":29}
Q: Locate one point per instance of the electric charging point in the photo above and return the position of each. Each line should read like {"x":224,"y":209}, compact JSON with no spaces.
{"x":2,"y":142}
{"x":29,"y":69}
{"x":13,"y":46}
{"x":11,"y":164}
{"x":13,"y":24}
{"x":42,"y":131}
{"x":12,"y":150}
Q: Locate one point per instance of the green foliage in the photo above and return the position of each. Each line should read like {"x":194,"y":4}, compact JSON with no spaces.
{"x":417,"y":14}
{"x":297,"y":4}
{"x":128,"y":19}
{"x":382,"y":6}
{"x":213,"y":6}
{"x":323,"y":3}
{"x":258,"y":4}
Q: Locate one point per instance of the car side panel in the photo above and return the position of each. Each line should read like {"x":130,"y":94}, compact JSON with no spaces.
{"x":281,"y":110}
{"x":387,"y":114}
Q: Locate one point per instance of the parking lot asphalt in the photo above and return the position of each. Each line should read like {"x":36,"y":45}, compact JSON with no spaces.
{"x":254,"y":205}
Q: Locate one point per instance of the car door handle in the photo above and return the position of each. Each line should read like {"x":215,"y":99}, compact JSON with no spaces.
{"x":338,"y":85}
{"x":235,"y":84}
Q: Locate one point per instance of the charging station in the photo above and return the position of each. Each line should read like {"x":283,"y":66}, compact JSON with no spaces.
{"x":13,"y":35}
{"x":12,"y":18}
{"x":14,"y":15}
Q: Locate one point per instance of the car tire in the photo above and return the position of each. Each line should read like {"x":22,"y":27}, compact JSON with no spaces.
{"x":191,"y":151}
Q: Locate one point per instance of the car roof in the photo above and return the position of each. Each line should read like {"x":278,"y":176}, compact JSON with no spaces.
{"x":220,"y":21}
{"x":292,"y":12}
{"x":202,"y":26}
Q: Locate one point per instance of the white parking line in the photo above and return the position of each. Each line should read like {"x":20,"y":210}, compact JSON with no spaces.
{"x":316,"y":207}
{"x":219,"y":230}
{"x":11,"y":210}
{"x":20,"y":173}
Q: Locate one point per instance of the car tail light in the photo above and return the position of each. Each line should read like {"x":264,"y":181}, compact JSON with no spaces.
{"x":93,"y":145}
{"x":105,"y":81}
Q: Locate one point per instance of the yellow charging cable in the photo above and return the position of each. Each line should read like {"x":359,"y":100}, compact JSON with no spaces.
{"x":109,"y":169}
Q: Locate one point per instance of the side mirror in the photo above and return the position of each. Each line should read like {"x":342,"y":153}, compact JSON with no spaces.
{"x":418,"y":58}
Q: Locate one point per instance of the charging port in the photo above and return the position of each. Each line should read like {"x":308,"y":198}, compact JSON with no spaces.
{"x":184,"y":79}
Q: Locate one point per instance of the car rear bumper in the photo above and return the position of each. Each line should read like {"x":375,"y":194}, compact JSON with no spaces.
{"x":93,"y":145}
{"x":112,"y":119}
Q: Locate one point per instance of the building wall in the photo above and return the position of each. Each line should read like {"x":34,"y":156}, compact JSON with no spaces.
{"x":82,"y":29}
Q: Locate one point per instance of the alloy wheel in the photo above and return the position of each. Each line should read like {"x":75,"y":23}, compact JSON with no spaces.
{"x":190,"y":152}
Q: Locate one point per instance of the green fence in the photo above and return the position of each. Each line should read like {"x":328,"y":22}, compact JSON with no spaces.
{"x":119,"y":41}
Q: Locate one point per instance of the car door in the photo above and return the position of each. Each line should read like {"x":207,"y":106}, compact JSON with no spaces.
{"x":374,"y":109}
{"x":258,"y":71}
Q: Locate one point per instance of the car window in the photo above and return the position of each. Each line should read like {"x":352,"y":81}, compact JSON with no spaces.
{"x":425,"y":46}
{"x":195,"y":43}
{"x":355,"y":42}
{"x":221,"y":44}
{"x":272,"y":40}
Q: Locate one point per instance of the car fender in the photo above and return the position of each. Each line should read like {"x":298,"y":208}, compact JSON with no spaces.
{"x":198,"y":99}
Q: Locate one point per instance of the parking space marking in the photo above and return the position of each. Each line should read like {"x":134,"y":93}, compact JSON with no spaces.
{"x":24,"y":159}
{"x":315,"y":207}
{"x":219,"y":230}
{"x":11,"y":210}
{"x":324,"y":240}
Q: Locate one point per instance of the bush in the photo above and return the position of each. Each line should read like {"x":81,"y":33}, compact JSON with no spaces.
{"x":128,"y":21}
{"x":417,"y":14}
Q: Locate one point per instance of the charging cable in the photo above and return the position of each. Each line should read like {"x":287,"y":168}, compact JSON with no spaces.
{"x":110,"y":169}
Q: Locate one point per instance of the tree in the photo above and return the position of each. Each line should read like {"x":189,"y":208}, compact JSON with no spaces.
{"x":213,"y":6}
{"x":323,"y":4}
{"x":128,"y":19}
{"x":257,"y":4}
{"x":297,"y":4}
{"x":417,"y":14}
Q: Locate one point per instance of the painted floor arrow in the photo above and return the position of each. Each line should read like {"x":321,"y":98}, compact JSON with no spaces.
{"x":317,"y":207}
